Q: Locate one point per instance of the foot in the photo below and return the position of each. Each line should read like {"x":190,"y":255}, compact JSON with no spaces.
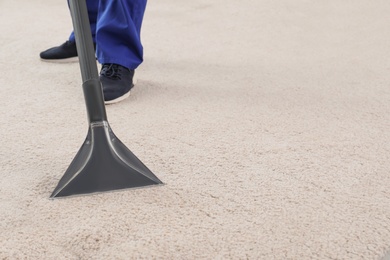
{"x":117,"y":81}
{"x":67,"y":52}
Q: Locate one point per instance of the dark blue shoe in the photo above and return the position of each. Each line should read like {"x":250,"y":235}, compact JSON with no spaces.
{"x":117,"y":81}
{"x":66,"y":52}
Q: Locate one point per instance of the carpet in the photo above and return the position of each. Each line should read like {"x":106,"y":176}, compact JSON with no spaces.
{"x":268,"y":122}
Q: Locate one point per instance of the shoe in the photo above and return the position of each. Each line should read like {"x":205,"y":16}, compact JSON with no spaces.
{"x":67,"y":52}
{"x":117,"y":81}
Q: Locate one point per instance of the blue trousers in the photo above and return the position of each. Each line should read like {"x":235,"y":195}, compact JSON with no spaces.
{"x":116,"y":28}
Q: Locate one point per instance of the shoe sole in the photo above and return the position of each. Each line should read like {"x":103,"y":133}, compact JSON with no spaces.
{"x":67,"y":60}
{"x":119,"y":99}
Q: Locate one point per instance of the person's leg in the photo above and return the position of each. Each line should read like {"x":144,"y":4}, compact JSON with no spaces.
{"x":118,"y":32}
{"x":92,"y":6}
{"x":118,"y":45}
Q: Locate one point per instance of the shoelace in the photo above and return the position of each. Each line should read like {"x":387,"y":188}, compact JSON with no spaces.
{"x":111,"y":71}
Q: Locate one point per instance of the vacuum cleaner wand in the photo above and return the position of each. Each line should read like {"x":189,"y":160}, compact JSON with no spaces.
{"x":103,"y":162}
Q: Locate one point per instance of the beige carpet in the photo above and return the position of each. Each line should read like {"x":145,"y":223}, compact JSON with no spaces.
{"x":269,"y":122}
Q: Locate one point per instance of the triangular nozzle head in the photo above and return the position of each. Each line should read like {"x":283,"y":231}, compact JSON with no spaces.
{"x":102,"y":164}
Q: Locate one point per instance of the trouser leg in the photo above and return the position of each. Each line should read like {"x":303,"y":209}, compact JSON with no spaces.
{"x":118,"y":32}
{"x":92,"y":6}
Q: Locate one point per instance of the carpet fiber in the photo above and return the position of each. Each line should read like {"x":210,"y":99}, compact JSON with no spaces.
{"x":268,"y":121}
